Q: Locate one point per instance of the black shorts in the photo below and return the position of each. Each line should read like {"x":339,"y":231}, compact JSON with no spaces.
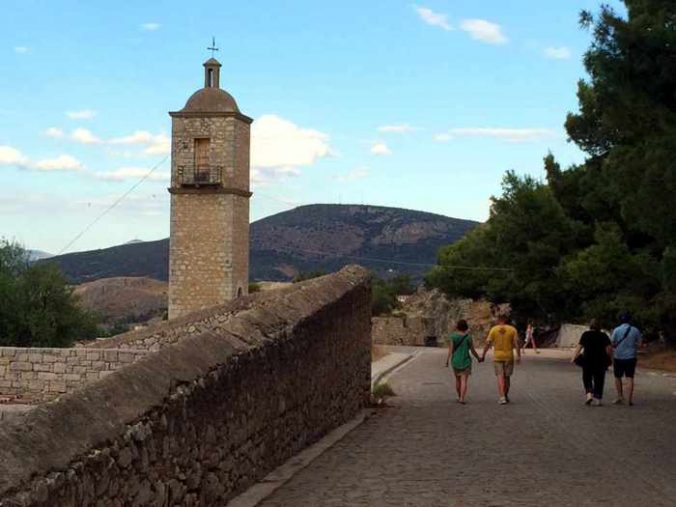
{"x":624,"y":367}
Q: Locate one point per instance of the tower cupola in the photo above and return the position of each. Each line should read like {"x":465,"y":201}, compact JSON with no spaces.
{"x":212,"y":73}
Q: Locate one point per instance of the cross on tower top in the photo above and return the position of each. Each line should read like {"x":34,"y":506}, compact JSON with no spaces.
{"x":213,"y":47}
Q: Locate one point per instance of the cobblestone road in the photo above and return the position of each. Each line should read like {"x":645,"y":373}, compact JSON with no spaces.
{"x":544,"y":449}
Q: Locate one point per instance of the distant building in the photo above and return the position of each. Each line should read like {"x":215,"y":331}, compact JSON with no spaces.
{"x":209,"y":241}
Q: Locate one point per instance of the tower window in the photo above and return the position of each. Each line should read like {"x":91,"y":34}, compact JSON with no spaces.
{"x":210,"y":78}
{"x":202,"y":160}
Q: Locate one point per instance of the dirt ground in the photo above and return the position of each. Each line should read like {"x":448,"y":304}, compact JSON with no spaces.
{"x":378,"y":352}
{"x":659,"y":359}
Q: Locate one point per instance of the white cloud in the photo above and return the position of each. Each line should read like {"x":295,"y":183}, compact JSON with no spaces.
{"x":280,"y":147}
{"x":150,"y":27}
{"x":560,"y":53}
{"x":54,"y":133}
{"x":156,"y":144}
{"x":380,"y":149}
{"x":433,"y":18}
{"x":12,"y":156}
{"x":138,"y":137}
{"x":513,"y":135}
{"x":353,"y":175}
{"x":85,"y":136}
{"x":133,"y":173}
{"x":484,"y":31}
{"x":161,"y":145}
{"x":21,"y":50}
{"x":60,"y":163}
{"x":402,"y":128}
{"x":85,"y":114}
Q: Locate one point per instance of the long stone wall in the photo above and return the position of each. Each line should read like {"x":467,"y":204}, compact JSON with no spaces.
{"x":40,"y":374}
{"x":206,"y":416}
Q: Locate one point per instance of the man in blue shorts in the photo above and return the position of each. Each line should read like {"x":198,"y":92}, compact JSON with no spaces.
{"x":625,"y":340}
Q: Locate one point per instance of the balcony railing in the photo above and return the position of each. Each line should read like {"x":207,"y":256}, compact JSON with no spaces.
{"x":197,"y":176}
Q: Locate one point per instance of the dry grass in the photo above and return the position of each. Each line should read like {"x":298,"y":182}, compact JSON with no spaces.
{"x":660,"y":359}
{"x":377,"y":352}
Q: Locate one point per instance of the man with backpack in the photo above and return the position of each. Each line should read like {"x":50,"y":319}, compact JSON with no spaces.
{"x":625,"y":340}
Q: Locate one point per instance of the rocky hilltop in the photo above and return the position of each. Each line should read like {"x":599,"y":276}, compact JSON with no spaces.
{"x":124,"y":299}
{"x":308,"y":238}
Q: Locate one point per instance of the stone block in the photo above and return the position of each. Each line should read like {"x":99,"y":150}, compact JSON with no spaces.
{"x":93,"y":356}
{"x":110,"y":355}
{"x":50,"y":358}
{"x":34,"y":357}
{"x":42,"y":367}
{"x":46,"y":375}
{"x":72,"y":377}
{"x":57,"y":386}
{"x":36,"y":386}
{"x":59,"y":368}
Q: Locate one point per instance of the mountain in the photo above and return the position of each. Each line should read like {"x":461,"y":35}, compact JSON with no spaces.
{"x":36,"y":255}
{"x":315,"y":237}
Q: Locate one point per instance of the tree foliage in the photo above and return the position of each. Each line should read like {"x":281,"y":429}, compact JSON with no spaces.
{"x":384,"y":293}
{"x":599,"y":237}
{"x":37,"y":308}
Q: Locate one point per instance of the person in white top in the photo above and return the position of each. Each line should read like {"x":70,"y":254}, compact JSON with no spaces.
{"x":530,"y":337}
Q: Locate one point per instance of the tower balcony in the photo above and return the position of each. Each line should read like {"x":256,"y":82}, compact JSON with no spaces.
{"x":199,"y":175}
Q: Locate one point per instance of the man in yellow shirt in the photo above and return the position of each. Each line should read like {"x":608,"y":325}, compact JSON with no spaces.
{"x":504,"y":339}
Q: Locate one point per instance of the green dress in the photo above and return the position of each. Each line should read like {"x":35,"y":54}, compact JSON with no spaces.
{"x":461,"y":347}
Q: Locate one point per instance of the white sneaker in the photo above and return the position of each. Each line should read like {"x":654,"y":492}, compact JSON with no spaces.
{"x":589,"y":399}
{"x":596,"y":403}
{"x":502,"y":401}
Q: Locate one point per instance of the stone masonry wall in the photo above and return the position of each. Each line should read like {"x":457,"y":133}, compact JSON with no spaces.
{"x":200,"y":255}
{"x":209,"y":241}
{"x":166,"y":333}
{"x":202,"y":419}
{"x":40,"y":374}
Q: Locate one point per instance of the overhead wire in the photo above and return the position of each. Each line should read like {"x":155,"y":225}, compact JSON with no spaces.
{"x":113,"y":205}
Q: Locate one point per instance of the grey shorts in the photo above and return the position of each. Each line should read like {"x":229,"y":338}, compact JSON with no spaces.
{"x":505,"y":368}
{"x":459,"y":373}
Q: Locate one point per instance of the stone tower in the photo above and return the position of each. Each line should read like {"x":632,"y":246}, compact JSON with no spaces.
{"x":209,"y":243}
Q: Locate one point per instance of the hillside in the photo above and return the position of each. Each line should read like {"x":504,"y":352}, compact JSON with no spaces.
{"x":315,"y":237}
{"x":124,"y":298}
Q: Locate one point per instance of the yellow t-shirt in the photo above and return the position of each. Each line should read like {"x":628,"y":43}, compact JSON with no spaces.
{"x":504,"y":340}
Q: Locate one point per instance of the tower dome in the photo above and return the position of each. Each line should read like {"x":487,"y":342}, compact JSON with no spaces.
{"x":211,"y":98}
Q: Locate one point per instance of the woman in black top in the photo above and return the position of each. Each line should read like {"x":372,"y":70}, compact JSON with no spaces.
{"x":596,"y":357}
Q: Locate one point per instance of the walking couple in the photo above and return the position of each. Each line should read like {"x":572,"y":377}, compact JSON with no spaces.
{"x":504,"y":339}
{"x":596,"y":352}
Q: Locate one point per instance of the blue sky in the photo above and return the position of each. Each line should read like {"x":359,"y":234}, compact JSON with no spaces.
{"x":416,"y":105}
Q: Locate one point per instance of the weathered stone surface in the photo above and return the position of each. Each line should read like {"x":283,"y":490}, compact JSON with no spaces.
{"x":429,"y":315}
{"x":201,"y":419}
{"x":45,"y":373}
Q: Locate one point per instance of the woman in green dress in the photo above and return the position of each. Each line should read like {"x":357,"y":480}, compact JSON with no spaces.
{"x":459,"y":347}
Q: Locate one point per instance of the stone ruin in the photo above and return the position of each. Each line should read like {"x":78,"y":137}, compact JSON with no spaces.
{"x":427,"y":317}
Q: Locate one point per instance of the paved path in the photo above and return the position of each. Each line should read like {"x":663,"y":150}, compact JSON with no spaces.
{"x":544,"y":449}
